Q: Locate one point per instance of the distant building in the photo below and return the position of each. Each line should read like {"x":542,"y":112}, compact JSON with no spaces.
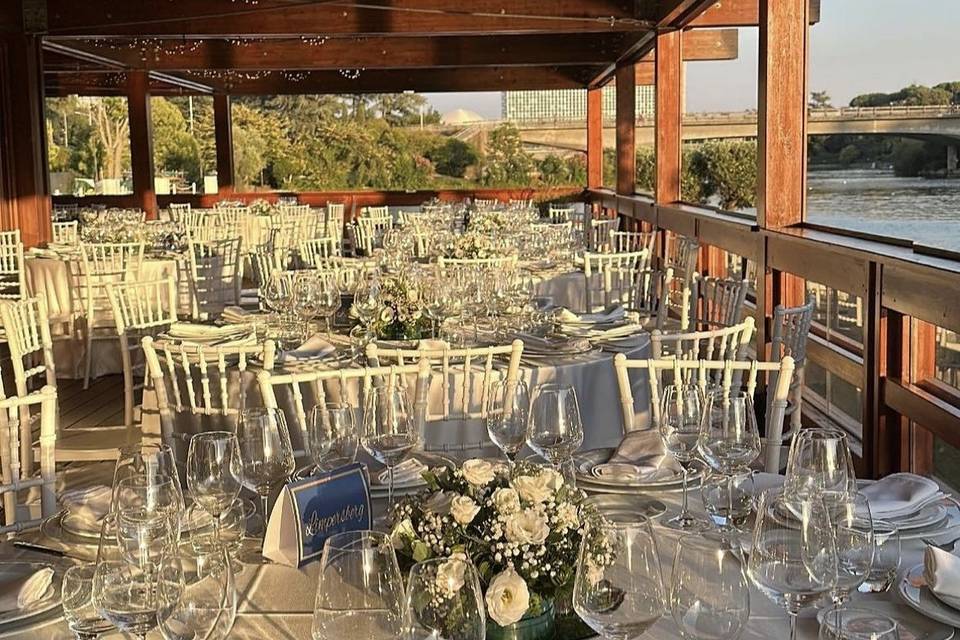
{"x":568,"y":104}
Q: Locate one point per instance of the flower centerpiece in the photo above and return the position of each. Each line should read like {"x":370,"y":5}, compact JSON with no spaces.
{"x":261,"y":207}
{"x":522,"y":529}
{"x":470,"y":245}
{"x":489,"y":221}
{"x":400,"y":316}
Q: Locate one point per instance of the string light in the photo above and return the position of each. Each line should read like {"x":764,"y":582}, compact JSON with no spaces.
{"x":351,"y":74}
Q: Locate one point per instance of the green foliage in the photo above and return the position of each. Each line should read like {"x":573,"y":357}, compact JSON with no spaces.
{"x":728,"y":171}
{"x":557,"y":171}
{"x":909,"y":158}
{"x":915,"y":94}
{"x":819,"y":100}
{"x":452,"y":156}
{"x":506,"y":163}
{"x":849,"y":154}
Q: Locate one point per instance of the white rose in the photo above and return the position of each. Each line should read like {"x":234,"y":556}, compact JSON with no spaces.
{"x":532,"y":488}
{"x":439,"y":503}
{"x":506,"y":500}
{"x":479,"y":473}
{"x":450,"y":574}
{"x":568,"y":516}
{"x":464,"y":509}
{"x":552,"y":479}
{"x":527,"y":527}
{"x":507,"y":598}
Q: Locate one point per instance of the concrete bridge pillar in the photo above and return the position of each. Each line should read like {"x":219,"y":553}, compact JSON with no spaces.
{"x":952,"y":159}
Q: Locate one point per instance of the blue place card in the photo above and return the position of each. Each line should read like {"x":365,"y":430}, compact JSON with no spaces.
{"x":309,"y":511}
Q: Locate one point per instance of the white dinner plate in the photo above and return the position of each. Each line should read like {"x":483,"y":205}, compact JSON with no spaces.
{"x":927,"y":517}
{"x":51,"y":598}
{"x":916,"y":594}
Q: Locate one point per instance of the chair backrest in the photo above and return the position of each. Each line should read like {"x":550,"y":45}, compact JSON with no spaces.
{"x":13,"y":284}
{"x":104,"y":264}
{"x":317,"y":251}
{"x":651,"y":297}
{"x":611,"y":277}
{"x":482,"y":203}
{"x":375,"y":212}
{"x":791,"y":328}
{"x":10,"y":238}
{"x":729,"y":376}
{"x":727,"y":343}
{"x":27,"y":326}
{"x":598,"y":237}
{"x":333,"y":221}
{"x":370,"y":230}
{"x":681,"y":256}
{"x":195,"y":378}
{"x":141,"y":306}
{"x":721,"y":301}
{"x":497,"y":263}
{"x":475,"y":367}
{"x":627,"y":241}
{"x":263,"y":263}
{"x":17,"y":472}
{"x":560,"y":213}
{"x":65,"y":232}
{"x":215,"y":274}
{"x":350,"y":385}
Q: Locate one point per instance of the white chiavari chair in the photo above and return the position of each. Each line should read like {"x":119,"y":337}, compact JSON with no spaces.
{"x":17,"y":463}
{"x":626,"y":241}
{"x":559,"y":214}
{"x":370,"y":230}
{"x":203,"y":381}
{"x":484,"y":203}
{"x":791,"y":328}
{"x":721,"y":301}
{"x":262,"y":264}
{"x":727,"y":343}
{"x":651,"y":297}
{"x":598,"y":233}
{"x":65,"y":232}
{"x":333,"y":215}
{"x":101,"y":265}
{"x":215,"y":276}
{"x":177,"y":210}
{"x":728,"y":374}
{"x":140,"y":309}
{"x":610,"y":278}
{"x":13,"y":283}
{"x":316,"y":252}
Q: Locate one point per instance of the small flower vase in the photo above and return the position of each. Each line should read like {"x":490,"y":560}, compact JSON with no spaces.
{"x":538,"y":627}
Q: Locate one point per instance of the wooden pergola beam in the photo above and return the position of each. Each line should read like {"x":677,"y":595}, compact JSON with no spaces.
{"x":626,"y":129}
{"x":141,"y":142}
{"x":741,"y":13}
{"x":669,"y":115}
{"x":406,"y":17}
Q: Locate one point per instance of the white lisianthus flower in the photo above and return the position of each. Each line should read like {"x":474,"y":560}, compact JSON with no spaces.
{"x":506,"y":500}
{"x":402,"y":532}
{"x":527,"y":527}
{"x":553,"y":479}
{"x":450,"y":574}
{"x":439,"y":503}
{"x":477,"y":472}
{"x":532,"y":488}
{"x":507,"y":598}
{"x":567,"y":515}
{"x":386,"y":315}
{"x":464,"y":509}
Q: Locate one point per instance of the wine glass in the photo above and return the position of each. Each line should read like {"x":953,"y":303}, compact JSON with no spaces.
{"x":147,"y":459}
{"x":205,"y":535}
{"x":793,"y":559}
{"x":709,"y":593}
{"x":147,"y":521}
{"x":307,"y":300}
{"x":144,"y":497}
{"x":729,"y":439}
{"x":213,"y":472}
{"x":508,"y":416}
{"x":434,"y":304}
{"x":332,"y":435}
{"x":680,"y":413}
{"x":857,"y":624}
{"x":277,"y":293}
{"x":265,"y":451}
{"x":81,"y":614}
{"x":360,"y":590}
{"x":886,"y":558}
{"x":444,"y":600}
{"x":328,"y":300}
{"x":389,"y":432}
{"x":853,"y":536}
{"x":207,"y":606}
{"x":555,"y":430}
{"x":820,"y":464}
{"x":618,"y":590}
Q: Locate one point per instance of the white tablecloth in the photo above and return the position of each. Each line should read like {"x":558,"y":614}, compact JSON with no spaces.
{"x":565,"y":289}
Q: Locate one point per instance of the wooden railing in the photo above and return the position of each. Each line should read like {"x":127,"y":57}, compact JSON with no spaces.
{"x":905,"y":291}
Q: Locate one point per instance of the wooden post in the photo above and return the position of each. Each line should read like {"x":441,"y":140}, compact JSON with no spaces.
{"x":782,"y":113}
{"x":626,"y":129}
{"x":669,"y":88}
{"x":595,"y":138}
{"x":24,"y":183}
{"x":141,"y":141}
{"x":223,"y":130}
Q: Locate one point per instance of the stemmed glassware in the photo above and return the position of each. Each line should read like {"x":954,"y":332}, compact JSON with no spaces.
{"x":306,"y":296}
{"x":434,"y":303}
{"x":858,"y":624}
{"x":793,"y":558}
{"x":508,"y":416}
{"x":265,"y":452}
{"x":148,"y":503}
{"x":680,"y":414}
{"x":328,"y":300}
{"x":709,"y":593}
{"x":729,"y":438}
{"x":444,"y":600}
{"x":207,"y":606}
{"x":820,"y":464}
{"x":555,"y":430}
{"x":277,"y":293}
{"x":389,"y":432}
{"x":360,"y":591}
{"x":332,"y":436}
{"x":214,"y":472}
{"x":624,"y":596}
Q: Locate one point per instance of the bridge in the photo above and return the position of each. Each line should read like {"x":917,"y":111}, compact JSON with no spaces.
{"x":924,"y":122}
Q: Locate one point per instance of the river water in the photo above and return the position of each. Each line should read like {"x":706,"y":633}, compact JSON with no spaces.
{"x":878,"y":202}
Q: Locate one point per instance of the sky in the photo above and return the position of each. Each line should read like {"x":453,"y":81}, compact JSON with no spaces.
{"x":859,"y":46}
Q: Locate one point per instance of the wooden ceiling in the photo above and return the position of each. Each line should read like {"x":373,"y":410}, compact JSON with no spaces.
{"x":320,"y":46}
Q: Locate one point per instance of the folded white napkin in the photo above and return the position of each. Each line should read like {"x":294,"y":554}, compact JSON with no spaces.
{"x":900,"y":494}
{"x":551,"y":346}
{"x":208,"y":334}
{"x":941,"y":571}
{"x":234,"y":314}
{"x":313,"y":349}
{"x":407,"y":472}
{"x":613,"y":313}
{"x":24,"y":590}
{"x":433,"y":345}
{"x":90,"y":504}
{"x":644,"y":448}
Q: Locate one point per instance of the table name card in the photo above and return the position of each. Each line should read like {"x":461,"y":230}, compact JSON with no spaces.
{"x":309,"y":511}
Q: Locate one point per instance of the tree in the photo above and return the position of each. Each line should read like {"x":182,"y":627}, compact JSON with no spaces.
{"x":112,"y":128}
{"x":848,"y":155}
{"x":452,"y":157}
{"x":820,"y":100}
{"x":871,"y":100}
{"x":727,"y":170}
{"x":175,"y":150}
{"x":506,"y":163}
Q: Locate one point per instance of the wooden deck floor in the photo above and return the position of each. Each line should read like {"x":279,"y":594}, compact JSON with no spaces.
{"x":99,"y":406}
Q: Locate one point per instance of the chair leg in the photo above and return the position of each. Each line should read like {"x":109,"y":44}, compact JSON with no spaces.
{"x":88,"y":356}
{"x":127,"y":385}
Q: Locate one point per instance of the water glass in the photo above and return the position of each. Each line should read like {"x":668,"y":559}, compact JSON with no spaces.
{"x":853,"y":536}
{"x":555,"y":430}
{"x":793,"y":558}
{"x":618,"y":591}
{"x":729,"y":438}
{"x":709,"y":593}
{"x":848,"y":623}
{"x":207,"y":606}
{"x":360,"y":592}
{"x":444,"y":600}
{"x":820,"y":464}
{"x":508,"y":416}
{"x":82,"y":616}
{"x":205,"y":535}
{"x":886,"y":558}
{"x":265,"y":452}
{"x":389,"y":432}
{"x":681,"y":408}
{"x":214,"y":471}
{"x":332,"y":436}
{"x":728,"y":499}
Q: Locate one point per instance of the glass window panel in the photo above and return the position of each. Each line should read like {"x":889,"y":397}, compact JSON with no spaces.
{"x":837,"y":313}
{"x":184,"y":144}
{"x":946,"y":462}
{"x":948,"y":357}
